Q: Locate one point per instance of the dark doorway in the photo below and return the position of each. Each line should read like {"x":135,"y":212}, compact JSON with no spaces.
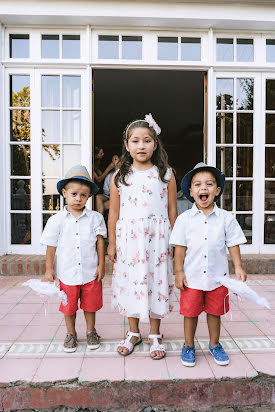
{"x":175,"y":99}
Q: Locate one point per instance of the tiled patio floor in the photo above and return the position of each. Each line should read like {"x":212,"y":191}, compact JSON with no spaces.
{"x":31,"y":344}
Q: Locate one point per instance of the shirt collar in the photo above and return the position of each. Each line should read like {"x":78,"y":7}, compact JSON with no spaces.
{"x":66,"y":212}
{"x":195,"y":210}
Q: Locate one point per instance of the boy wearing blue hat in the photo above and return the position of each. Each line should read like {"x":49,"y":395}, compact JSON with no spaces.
{"x":201,"y":236}
{"x":76,"y":234}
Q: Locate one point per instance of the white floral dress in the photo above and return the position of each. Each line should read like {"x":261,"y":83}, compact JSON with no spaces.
{"x":143,"y":273}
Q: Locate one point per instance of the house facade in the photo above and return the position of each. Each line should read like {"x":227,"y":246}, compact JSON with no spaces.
{"x":73,"y":74}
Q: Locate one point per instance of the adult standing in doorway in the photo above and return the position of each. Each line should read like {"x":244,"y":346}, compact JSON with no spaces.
{"x":99,"y":177}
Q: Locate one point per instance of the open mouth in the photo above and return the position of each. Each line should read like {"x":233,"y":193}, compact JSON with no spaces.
{"x":204,"y":197}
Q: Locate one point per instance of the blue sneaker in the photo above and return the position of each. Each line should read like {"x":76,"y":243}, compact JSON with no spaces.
{"x":188,"y":357}
{"x":219,"y":355}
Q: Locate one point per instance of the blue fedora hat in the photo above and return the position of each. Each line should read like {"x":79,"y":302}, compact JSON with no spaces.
{"x":77,"y":172}
{"x":186,"y":181}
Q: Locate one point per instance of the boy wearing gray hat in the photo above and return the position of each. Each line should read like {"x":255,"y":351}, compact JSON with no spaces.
{"x":201,"y":236}
{"x":76,"y":234}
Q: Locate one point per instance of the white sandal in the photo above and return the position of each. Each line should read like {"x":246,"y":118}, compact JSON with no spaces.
{"x":129,"y":345}
{"x":157,"y":346}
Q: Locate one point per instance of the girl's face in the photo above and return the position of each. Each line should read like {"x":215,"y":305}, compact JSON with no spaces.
{"x":141,"y":146}
{"x":100,"y":154}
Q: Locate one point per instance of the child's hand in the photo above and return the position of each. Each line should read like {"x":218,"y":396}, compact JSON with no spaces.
{"x":50,"y":275}
{"x":111,"y":252}
{"x":180,"y":280}
{"x":240,"y":273}
{"x":100,"y":272}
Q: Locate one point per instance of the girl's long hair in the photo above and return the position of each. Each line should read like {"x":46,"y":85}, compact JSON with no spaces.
{"x":159,"y":157}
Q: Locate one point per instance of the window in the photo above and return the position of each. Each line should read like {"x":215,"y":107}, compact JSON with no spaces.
{"x":239,"y":50}
{"x":132,"y":47}
{"x":51,"y":47}
{"x":120,"y":47}
{"x":168,"y":48}
{"x":270,"y":50}
{"x":190,"y":48}
{"x":179,"y":48}
{"x":19,"y":46}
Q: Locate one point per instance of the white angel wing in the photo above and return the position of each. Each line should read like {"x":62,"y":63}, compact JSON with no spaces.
{"x":46,"y":288}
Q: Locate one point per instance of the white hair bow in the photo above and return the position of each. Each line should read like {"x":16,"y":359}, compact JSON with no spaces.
{"x":152,"y":123}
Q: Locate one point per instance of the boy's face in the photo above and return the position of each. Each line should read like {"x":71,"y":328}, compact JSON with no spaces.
{"x":76,"y":195}
{"x":204,"y":189}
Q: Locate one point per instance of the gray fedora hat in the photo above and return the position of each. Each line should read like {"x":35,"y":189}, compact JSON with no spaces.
{"x":77,"y":172}
{"x":186,"y":181}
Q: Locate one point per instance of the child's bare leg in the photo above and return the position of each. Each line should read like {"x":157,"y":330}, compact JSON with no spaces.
{"x":214,"y":327}
{"x":90,"y":321}
{"x":154,"y":330}
{"x":70,"y":324}
{"x":190,"y":326}
{"x":133,"y":326}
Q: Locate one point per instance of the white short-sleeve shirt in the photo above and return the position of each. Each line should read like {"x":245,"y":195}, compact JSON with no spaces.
{"x":206,"y":239}
{"x":75,"y":239}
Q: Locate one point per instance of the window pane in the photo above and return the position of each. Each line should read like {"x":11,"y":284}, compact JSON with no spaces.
{"x":270,"y":94}
{"x":245,"y":90}
{"x":244,"y":161}
{"x":71,"y":126}
{"x":270,"y":162}
{"x":20,"y":160}
{"x":108,"y":47}
{"x":71,"y":47}
{"x":20,"y":229}
{"x":224,"y":50}
{"x":224,"y":127}
{"x":50,"y":126}
{"x":270,"y":50}
{"x":45,"y":217}
{"x":245,"y":128}
{"x":20,"y":194}
{"x":270,"y":195}
{"x":226,"y":197}
{"x":51,"y":160}
{"x":51,"y":197}
{"x":270,"y":128}
{"x":50,"y":46}
{"x":269,"y":229}
{"x":19,"y":46}
{"x":20,"y":125}
{"x":245,"y":222}
{"x":224,"y":94}
{"x":50,"y":91}
{"x":224,"y":160}
{"x":245,"y":50}
{"x":19,"y":91}
{"x":190,"y":48}
{"x":168,"y":48}
{"x":71,"y":157}
{"x":71,"y":91}
{"x":132,"y":47}
{"x":244,"y":195}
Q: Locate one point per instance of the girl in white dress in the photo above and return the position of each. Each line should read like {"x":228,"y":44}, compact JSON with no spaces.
{"x":143,"y":209}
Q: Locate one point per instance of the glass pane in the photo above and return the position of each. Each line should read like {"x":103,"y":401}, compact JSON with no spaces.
{"x":71,"y":91}
{"x":45,"y":217}
{"x":270,"y":195}
{"x":245,"y":222}
{"x":20,"y":194}
{"x":270,"y":94}
{"x":224,"y":127}
{"x":51,"y":160}
{"x":190,"y":48}
{"x":168,"y":48}
{"x":20,"y":160}
{"x":50,"y":91}
{"x":50,"y":195}
{"x":50,"y":126}
{"x":244,"y":195}
{"x":132,"y":47}
{"x":20,"y":125}
{"x":270,"y":128}
{"x":269,"y":229}
{"x":19,"y":46}
{"x":226,"y":197}
{"x":20,"y":229}
{"x":270,"y":162}
{"x":245,"y":89}
{"x":19,"y":91}
{"x":224,"y":94}
{"x":71,"y":157}
{"x":224,"y":160}
{"x":244,"y":161}
{"x":224,"y":50}
{"x":50,"y":46}
{"x":71,"y":126}
{"x":71,"y":47}
{"x":108,"y":47}
{"x":245,"y":50}
{"x":270,"y":50}
{"x":245,"y":128}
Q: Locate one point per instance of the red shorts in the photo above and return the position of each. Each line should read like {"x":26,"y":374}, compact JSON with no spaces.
{"x":194,"y":301}
{"x":90,"y":296}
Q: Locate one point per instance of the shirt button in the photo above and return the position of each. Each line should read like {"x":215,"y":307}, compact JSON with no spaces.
{"x":205,"y":223}
{"x":205,"y":238}
{"x":205,"y":256}
{"x":77,"y":247}
{"x":203,"y":271}
{"x":79,"y":263}
{"x":76,"y":234}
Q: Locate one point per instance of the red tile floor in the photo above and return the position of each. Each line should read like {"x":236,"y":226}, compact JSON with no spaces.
{"x":31,"y":344}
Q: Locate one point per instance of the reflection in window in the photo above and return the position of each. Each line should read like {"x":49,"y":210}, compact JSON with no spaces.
{"x":245,"y":91}
{"x":270,"y":94}
{"x":224,"y":94}
{"x":108,"y":47}
{"x":71,"y":156}
{"x":224,"y":160}
{"x":50,"y":46}
{"x":270,"y":50}
{"x":269,"y":229}
{"x":71,"y":91}
{"x":20,"y":159}
{"x":168,"y":48}
{"x":224,"y":50}
{"x":20,"y":228}
{"x":19,"y":46}
{"x":244,"y":161}
{"x":50,"y":91}
{"x":71,"y":47}
{"x":51,"y":126}
{"x":245,"y":50}
{"x":19,"y":91}
{"x":270,"y":195}
{"x":225,"y":201}
{"x":20,"y":194}
{"x":51,"y":160}
{"x":245,"y":128}
{"x":51,"y":197}
{"x":71,"y":126}
{"x":224,"y":128}
{"x":270,"y":161}
{"x":190,"y":48}
{"x":132,"y":47}
{"x":20,"y":125}
{"x":244,"y":195}
{"x":245,"y":222}
{"x":270,"y":128}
